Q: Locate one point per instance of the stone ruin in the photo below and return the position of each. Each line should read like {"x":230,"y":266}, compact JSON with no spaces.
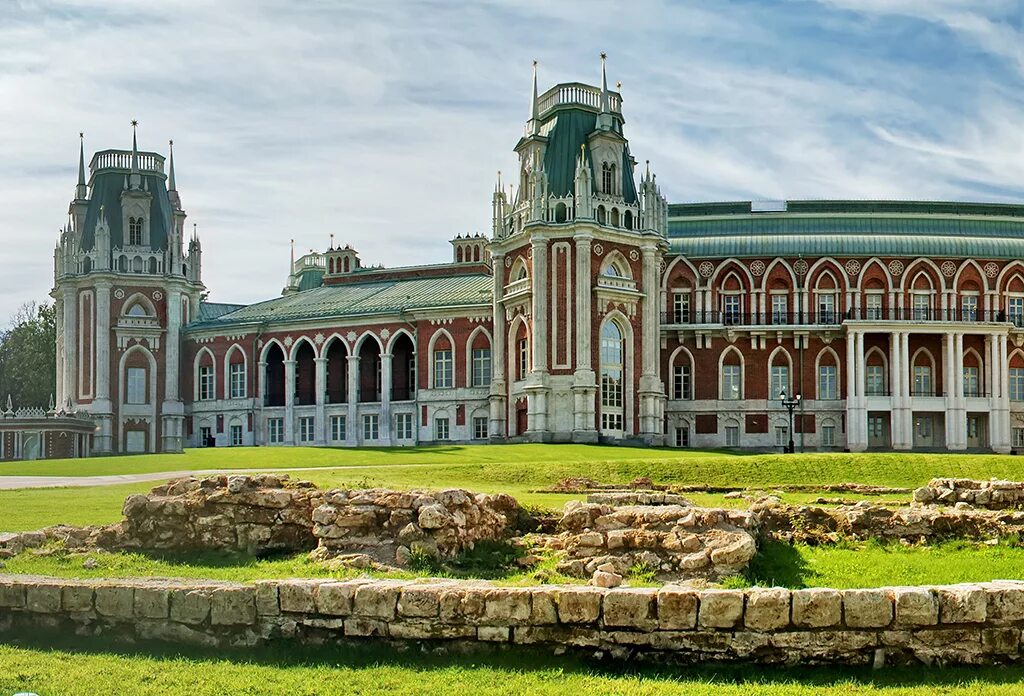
{"x":391,"y":526}
{"x":657,"y":531}
{"x":993,"y":494}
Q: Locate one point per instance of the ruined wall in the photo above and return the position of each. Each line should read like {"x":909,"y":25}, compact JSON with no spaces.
{"x":961,"y":624}
{"x":994,"y":494}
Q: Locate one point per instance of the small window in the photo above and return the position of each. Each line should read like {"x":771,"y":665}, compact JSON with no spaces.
{"x":134,"y":231}
{"x":682,"y":437}
{"x":236,"y":380}
{"x":236,"y":436}
{"x":403,"y":426}
{"x":524,"y":358}
{"x":306,"y":429}
{"x":371,"y":426}
{"x":875,"y":381}
{"x":441,"y":431}
{"x":275,"y":430}
{"x":781,"y":436}
{"x":1017,"y":384}
{"x":136,"y":391}
{"x":1018,"y":437}
{"x":732,"y":436}
{"x":338,"y":429}
{"x":828,"y":388}
{"x":443,"y":369}
{"x":480,"y":428}
{"x":732,"y":382}
{"x":828,"y":436}
{"x":681,"y":308}
{"x":681,"y":382}
{"x":972,"y":385}
{"x":205,"y":436}
{"x":481,"y":367}
{"x":206,"y":383}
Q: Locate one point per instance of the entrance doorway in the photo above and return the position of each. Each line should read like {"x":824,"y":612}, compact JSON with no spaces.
{"x":30,"y":446}
{"x":878,"y":430}
{"x":977,"y":430}
{"x":928,"y":430}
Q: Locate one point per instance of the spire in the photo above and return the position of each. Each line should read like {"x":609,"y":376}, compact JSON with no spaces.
{"x":533,"y":125}
{"x":171,"y":186}
{"x":604,"y":86}
{"x":135,"y":177}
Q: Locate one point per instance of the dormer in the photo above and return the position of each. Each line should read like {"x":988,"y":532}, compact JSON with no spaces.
{"x":470,"y":249}
{"x":342,"y":261}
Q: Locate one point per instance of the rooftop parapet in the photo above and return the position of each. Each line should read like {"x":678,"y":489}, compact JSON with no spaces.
{"x":121,"y":160}
{"x":576,"y":94}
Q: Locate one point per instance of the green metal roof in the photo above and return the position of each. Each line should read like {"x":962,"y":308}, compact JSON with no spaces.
{"x":311,"y":278}
{"x":843,"y":228}
{"x":360,"y":299}
{"x":567,"y":129}
{"x":213,"y":310}
{"x":107,"y":187}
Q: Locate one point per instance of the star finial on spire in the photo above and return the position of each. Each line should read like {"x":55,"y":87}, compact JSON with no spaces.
{"x":135,"y":124}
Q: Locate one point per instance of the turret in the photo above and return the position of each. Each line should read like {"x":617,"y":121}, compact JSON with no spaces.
{"x":101,"y":246}
{"x":470,"y":249}
{"x":499,"y":212}
{"x":584,"y":187}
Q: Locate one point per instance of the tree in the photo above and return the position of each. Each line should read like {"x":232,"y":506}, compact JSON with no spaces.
{"x":28,"y":359}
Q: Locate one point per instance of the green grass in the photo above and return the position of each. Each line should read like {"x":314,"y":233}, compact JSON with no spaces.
{"x":61,"y":667}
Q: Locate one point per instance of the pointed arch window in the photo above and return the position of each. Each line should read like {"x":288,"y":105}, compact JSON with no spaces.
{"x":135,"y":231}
{"x":612,"y":366}
{"x":607,"y":177}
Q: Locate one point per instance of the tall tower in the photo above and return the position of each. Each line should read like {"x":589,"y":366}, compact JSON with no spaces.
{"x":123,"y":288}
{"x":577,"y":255}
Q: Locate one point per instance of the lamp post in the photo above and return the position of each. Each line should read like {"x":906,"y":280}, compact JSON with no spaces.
{"x":790,"y":403}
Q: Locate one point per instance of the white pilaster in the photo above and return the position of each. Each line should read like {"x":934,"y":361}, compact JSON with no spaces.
{"x":353,"y":429}
{"x":584,"y":379}
{"x":385,"y":395}
{"x":320,"y":424}
{"x":289,"y":402}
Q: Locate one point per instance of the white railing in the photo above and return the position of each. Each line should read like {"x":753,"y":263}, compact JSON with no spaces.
{"x":122,"y":159}
{"x":616,"y":283}
{"x":576,"y":93}
{"x":517,"y":286}
{"x":313,"y":259}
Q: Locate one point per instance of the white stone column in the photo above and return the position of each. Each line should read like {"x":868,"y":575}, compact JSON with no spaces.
{"x":259,"y":431}
{"x":652,"y":393}
{"x":70,"y":375}
{"x":1003,"y":412}
{"x":58,"y":313}
{"x":173,"y":410}
{"x":353,"y":428}
{"x":853,"y":442}
{"x":950,"y":417}
{"x":584,"y":378}
{"x":385,"y":393}
{"x":540,"y":306}
{"x":498,"y":396}
{"x":902,"y":418}
{"x":860,"y":400}
{"x":320,"y":424}
{"x":289,"y":402}
{"x":102,"y":408}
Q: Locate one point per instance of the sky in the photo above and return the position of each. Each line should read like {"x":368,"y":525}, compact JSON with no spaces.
{"x":384,"y":123}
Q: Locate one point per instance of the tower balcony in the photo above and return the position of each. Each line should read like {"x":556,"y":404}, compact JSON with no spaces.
{"x":121,"y":160}
{"x":576,"y":94}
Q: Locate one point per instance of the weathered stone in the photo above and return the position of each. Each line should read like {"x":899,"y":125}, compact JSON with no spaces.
{"x":605,"y":579}
{"x":298,"y":596}
{"x":115,"y":602}
{"x":189,"y":606}
{"x":632,"y":607}
{"x":419,"y":601}
{"x":361,"y":626}
{"x":720,"y":608}
{"x":817,"y":608}
{"x":508,"y":605}
{"x":1006,"y":603}
{"x":767,"y":609}
{"x":152,"y":602}
{"x":916,"y":606}
{"x":494,"y":634}
{"x":578,"y":605}
{"x":12,"y":594}
{"x":76,"y":598}
{"x":232,"y":606}
{"x":677,"y":608}
{"x":175,"y":633}
{"x":962,"y":604}
{"x":377,"y":600}
{"x":434,"y":517}
{"x":1000,"y":641}
{"x":268,"y":601}
{"x":543,"y":607}
{"x":868,"y":608}
{"x":736,"y":553}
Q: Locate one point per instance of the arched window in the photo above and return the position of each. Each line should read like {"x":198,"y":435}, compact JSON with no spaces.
{"x":615,"y":217}
{"x":602,"y":215}
{"x":607,"y":174}
{"x":458,"y":255}
{"x":135,"y":231}
{"x":137,"y":264}
{"x":778,"y":375}
{"x":612,"y":364}
{"x":137,"y":310}
{"x":732,"y":375}
{"x":627,"y":220}
{"x":561,"y":213}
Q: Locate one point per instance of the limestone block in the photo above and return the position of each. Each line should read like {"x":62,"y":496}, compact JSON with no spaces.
{"x":720,"y":608}
{"x":43,"y":598}
{"x":434,"y":517}
{"x":361,"y":626}
{"x":1006,"y":603}
{"x":152,"y":602}
{"x":868,"y":608}
{"x":916,"y":606}
{"x":1000,"y":641}
{"x":817,"y":608}
{"x":677,"y":608}
{"x":189,"y":606}
{"x":631,"y":607}
{"x":76,"y":598}
{"x":427,"y":629}
{"x":962,"y":604}
{"x":507,"y":604}
{"x":233,"y":606}
{"x":767,"y":609}
{"x":544,"y":607}
{"x":417,"y":601}
{"x":335,"y":598}
{"x":268,"y":602}
{"x":737,"y":553}
{"x":579,"y":604}
{"x":494,"y":634}
{"x":376,"y":600}
{"x":115,"y":602}
{"x":298,"y":595}
{"x":12,"y":594}
{"x":473,"y":603}
{"x":174,"y":633}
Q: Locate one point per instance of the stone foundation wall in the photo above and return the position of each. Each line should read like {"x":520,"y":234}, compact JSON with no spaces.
{"x":994,"y":494}
{"x":961,"y":624}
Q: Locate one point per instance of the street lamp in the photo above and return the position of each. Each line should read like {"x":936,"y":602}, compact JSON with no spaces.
{"x":790,"y":403}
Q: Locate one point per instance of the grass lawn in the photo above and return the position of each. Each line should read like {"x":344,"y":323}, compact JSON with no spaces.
{"x":63,"y":668}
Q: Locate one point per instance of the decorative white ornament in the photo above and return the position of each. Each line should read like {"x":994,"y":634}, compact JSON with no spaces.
{"x":598,"y":249}
{"x":664,"y":266}
{"x":508,"y":262}
{"x":634,"y":255}
{"x":288,"y":341}
{"x":119,"y":294}
{"x":800,"y":267}
{"x":852,"y":267}
{"x":991,"y":269}
{"x":757,"y":268}
{"x":318,"y":339}
{"x":948,"y":269}
{"x":351,"y":336}
{"x":896,"y":267}
{"x":384,"y":333}
{"x":705,"y":269}
{"x":157,"y":295}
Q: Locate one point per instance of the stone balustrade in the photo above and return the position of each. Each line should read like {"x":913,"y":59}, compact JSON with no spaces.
{"x":956,"y":624}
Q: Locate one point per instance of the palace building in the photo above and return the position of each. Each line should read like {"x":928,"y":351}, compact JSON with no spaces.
{"x":593,"y":311}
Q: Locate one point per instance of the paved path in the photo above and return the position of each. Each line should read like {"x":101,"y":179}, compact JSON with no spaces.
{"x":11,"y":482}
